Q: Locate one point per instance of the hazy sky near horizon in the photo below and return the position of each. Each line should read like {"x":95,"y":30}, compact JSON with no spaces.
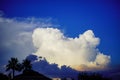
{"x":87,"y":31}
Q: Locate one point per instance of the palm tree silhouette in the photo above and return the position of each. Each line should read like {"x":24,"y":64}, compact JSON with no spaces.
{"x":27,"y":64}
{"x":13,"y":65}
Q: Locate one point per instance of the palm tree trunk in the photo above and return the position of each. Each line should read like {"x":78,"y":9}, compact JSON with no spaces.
{"x":13,"y":73}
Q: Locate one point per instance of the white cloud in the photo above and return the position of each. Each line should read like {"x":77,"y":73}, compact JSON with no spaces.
{"x":76,"y":52}
{"x":102,"y":59}
{"x":16,"y":36}
{"x":19,"y":36}
{"x":16,"y":40}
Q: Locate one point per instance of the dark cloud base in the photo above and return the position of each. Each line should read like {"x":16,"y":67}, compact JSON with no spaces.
{"x":51,"y":70}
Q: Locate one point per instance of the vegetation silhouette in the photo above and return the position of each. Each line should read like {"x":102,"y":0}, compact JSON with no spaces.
{"x":26,"y":67}
{"x":3,"y":77}
{"x":91,"y":76}
{"x":29,"y":74}
{"x":13,"y":65}
{"x":67,"y":79}
{"x":27,"y":64}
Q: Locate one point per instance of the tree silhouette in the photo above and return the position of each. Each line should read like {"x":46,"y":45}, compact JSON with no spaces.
{"x":3,"y":77}
{"x":27,"y":64}
{"x":13,"y":65}
{"x":91,"y":76}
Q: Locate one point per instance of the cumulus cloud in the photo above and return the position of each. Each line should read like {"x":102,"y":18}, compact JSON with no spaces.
{"x":75,"y":52}
{"x":16,"y":36}
{"x":23,"y":36}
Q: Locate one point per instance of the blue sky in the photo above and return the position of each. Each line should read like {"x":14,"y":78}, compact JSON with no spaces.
{"x":74,"y":18}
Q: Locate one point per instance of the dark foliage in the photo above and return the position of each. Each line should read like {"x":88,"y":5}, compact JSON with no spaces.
{"x":3,"y":77}
{"x":13,"y":65}
{"x":91,"y":76}
{"x":67,"y":79}
{"x":26,"y":67}
{"x":27,"y":64}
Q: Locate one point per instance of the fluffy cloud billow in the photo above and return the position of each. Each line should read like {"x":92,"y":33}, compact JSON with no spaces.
{"x":80,"y":52}
{"x":23,"y":36}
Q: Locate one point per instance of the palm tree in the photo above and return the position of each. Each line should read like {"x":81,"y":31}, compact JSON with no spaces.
{"x":27,"y":64}
{"x":13,"y":65}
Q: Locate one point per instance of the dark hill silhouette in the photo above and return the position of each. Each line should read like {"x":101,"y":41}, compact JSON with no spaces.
{"x":31,"y":75}
{"x":3,"y":77}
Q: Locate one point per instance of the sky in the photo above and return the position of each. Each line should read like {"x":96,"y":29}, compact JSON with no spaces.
{"x":84,"y":34}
